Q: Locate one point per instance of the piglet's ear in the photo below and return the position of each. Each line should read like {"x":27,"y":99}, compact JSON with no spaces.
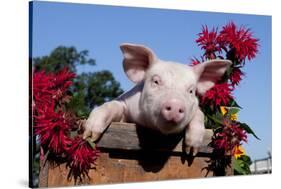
{"x":209,"y":72}
{"x":137,"y":59}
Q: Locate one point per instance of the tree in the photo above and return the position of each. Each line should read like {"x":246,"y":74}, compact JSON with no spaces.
{"x":63,"y":56}
{"x":90,"y":89}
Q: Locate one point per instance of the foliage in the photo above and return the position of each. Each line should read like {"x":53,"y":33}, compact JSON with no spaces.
{"x":236,"y":44}
{"x":93,"y":89}
{"x":241,"y":165}
{"x":62,"y":57}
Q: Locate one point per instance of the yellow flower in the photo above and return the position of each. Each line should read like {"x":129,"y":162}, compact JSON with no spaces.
{"x":238,"y":151}
{"x":224,"y":110}
{"x":233,"y":117}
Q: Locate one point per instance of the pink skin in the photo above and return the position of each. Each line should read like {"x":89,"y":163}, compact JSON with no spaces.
{"x":173,"y":110}
{"x":163,"y":98}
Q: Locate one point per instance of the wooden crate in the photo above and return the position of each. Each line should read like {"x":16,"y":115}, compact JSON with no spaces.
{"x":135,"y":154}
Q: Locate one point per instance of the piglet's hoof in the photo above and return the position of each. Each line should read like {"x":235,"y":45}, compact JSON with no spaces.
{"x":94,"y":136}
{"x":193,"y":151}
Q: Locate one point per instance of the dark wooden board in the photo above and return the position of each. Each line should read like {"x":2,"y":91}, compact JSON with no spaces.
{"x":128,"y":136}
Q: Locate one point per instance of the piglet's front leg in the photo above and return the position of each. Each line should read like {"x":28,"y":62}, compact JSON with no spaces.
{"x":101,"y":117}
{"x":195,"y":133}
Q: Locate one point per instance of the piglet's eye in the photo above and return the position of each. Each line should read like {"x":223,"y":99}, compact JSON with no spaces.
{"x":156,"y":80}
{"x":191,"y":90}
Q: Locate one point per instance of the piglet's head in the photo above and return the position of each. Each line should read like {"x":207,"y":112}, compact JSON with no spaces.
{"x":168,"y":101}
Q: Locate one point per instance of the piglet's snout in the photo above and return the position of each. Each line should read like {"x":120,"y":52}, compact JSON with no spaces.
{"x":173,"y":110}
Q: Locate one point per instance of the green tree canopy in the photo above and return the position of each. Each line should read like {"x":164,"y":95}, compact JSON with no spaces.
{"x":62,"y":56}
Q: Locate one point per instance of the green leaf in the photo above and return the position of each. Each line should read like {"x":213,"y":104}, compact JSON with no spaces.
{"x":232,"y":111}
{"x":246,"y":159}
{"x":73,"y":134}
{"x":215,"y":119}
{"x":93,"y":145}
{"x":248,"y":130}
{"x":241,"y":167}
{"x":234,"y":104}
{"x":245,"y":163}
{"x":219,"y":115}
{"x":237,"y":166}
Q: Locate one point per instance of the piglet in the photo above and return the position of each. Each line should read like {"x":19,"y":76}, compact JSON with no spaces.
{"x":164,"y":97}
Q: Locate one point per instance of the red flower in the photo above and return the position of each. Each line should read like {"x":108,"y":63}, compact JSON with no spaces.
{"x":62,"y":81}
{"x":240,"y":41}
{"x":194,"y":61}
{"x":218,"y":95}
{"x":236,"y":76}
{"x":53,"y":125}
{"x":53,"y":129}
{"x":50,"y":122}
{"x":81,"y":158}
{"x":42,"y":89}
{"x":209,"y":42}
{"x":49,"y":87}
{"x":230,"y":137}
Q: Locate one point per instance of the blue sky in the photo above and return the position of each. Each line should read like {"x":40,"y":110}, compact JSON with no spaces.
{"x":171,"y":34}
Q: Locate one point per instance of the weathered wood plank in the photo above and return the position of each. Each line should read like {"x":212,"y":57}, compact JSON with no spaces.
{"x":115,"y":170}
{"x":111,"y":170}
{"x":128,"y":136}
